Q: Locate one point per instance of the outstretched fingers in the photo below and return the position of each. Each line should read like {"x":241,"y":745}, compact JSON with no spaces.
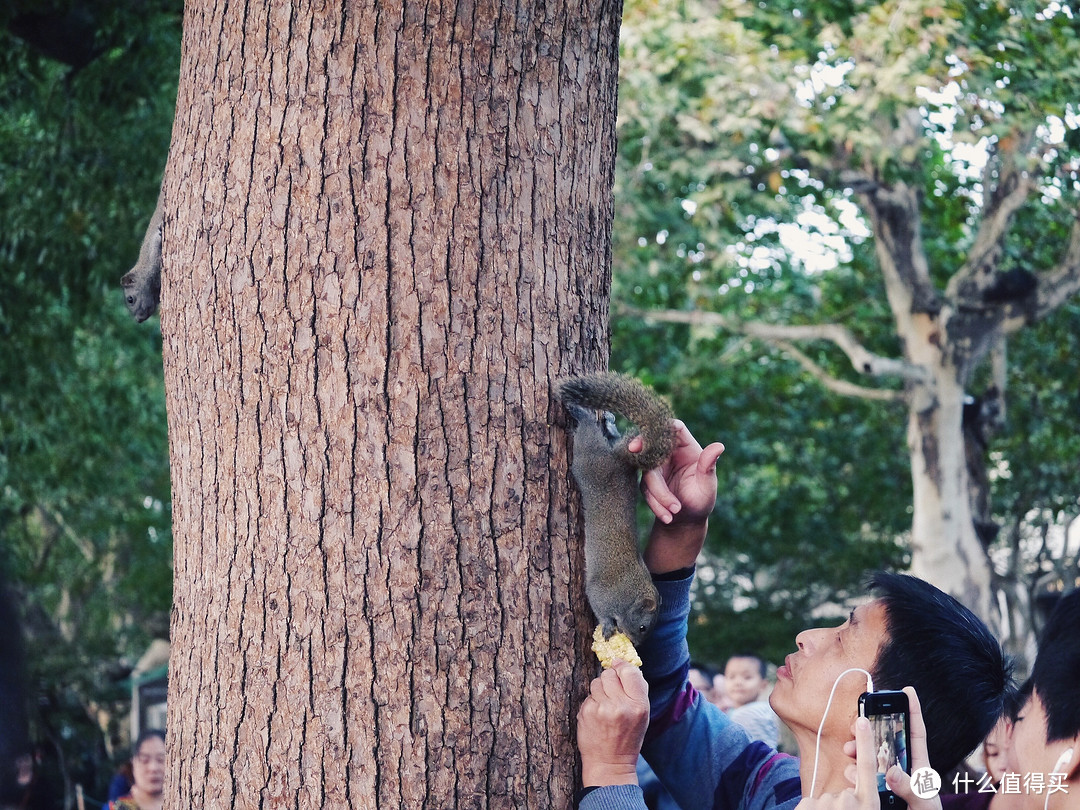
{"x":686,"y":483}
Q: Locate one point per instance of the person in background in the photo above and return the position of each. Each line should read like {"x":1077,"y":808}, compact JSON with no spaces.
{"x":1046,"y":733}
{"x":719,"y":697}
{"x":701,"y":678}
{"x":121,"y":781}
{"x":148,"y":772}
{"x":997,"y":750}
{"x":744,"y":679}
{"x":986,"y":792}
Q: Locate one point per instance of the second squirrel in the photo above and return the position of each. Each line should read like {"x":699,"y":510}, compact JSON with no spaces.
{"x":617,"y":583}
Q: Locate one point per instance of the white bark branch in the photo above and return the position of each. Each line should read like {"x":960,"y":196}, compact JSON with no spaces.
{"x":1064,"y":280}
{"x":1054,"y":287}
{"x":1013,"y":188}
{"x":863,"y":360}
{"x":835,"y":384}
{"x":897,"y":223}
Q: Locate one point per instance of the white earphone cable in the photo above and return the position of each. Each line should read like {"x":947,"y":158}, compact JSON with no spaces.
{"x":817,"y":746}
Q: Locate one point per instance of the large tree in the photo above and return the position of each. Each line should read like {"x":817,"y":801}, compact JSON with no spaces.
{"x":744,"y":124}
{"x":386,"y":230}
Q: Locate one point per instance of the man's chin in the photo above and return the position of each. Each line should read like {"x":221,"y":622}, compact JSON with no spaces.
{"x":777,"y":700}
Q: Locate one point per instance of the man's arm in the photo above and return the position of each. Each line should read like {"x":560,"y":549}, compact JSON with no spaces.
{"x":697,"y":752}
{"x":702,"y":757}
{"x":681,"y":494}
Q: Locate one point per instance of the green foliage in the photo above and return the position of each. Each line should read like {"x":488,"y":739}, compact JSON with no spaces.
{"x":85,"y":535}
{"x":738,"y":122}
{"x":1037,"y":452}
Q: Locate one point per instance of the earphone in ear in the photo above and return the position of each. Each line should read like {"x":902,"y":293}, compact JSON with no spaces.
{"x":1059,"y":768}
{"x":1063,"y":760}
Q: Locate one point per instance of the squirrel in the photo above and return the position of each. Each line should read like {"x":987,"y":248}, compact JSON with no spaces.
{"x":142,"y":283}
{"x":617,"y":583}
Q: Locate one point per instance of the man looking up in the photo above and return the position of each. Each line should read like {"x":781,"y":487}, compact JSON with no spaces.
{"x":911,"y":634}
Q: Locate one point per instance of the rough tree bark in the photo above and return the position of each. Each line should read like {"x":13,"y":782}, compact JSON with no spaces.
{"x":386,"y":230}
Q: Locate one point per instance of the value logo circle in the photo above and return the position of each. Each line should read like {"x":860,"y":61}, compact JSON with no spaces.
{"x":925,"y":783}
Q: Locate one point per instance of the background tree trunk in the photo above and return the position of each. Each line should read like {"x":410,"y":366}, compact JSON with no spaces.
{"x":945,"y":549}
{"x":387,"y":229}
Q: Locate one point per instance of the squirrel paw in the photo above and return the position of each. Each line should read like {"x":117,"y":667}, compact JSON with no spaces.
{"x":608,"y":627}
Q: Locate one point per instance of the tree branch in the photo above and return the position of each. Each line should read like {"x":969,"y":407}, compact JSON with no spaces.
{"x":894,"y":214}
{"x":863,"y":360}
{"x":1054,"y":287}
{"x":1013,"y":188}
{"x":835,"y":384}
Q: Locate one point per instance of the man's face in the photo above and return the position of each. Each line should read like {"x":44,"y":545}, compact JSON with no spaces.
{"x":1032,"y":754}
{"x":805,"y":680}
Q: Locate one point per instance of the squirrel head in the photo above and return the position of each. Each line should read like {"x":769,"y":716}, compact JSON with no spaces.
{"x":638,"y":620}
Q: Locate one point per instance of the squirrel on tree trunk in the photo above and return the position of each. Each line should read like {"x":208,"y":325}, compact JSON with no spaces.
{"x":617,"y":583}
{"x":142,"y":283}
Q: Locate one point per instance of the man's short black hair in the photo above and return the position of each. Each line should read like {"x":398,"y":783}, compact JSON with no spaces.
{"x":959,"y":671}
{"x":1057,"y":669}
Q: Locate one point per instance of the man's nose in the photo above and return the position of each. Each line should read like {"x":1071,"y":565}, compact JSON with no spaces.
{"x":806,"y":640}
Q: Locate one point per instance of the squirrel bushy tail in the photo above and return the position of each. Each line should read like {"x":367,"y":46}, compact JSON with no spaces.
{"x":650,"y":414}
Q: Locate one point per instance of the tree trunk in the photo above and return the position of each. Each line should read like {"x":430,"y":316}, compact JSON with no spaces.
{"x":387,"y":229}
{"x":945,"y":548}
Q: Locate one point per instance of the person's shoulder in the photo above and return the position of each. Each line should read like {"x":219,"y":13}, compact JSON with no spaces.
{"x":757,"y":708}
{"x":762,"y":706}
{"x":776,"y":784}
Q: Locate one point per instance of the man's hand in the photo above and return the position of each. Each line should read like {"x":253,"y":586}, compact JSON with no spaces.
{"x":611,"y":726}
{"x":681,"y":494}
{"x":897,"y":780}
{"x":863,"y":774}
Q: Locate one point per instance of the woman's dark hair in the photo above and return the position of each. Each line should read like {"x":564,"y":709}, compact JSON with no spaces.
{"x":959,"y":671}
{"x":144,"y":735}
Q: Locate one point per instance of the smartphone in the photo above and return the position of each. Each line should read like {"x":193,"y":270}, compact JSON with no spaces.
{"x":890,"y":724}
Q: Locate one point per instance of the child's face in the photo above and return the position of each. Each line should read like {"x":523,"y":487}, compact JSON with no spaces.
{"x":742,"y":678}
